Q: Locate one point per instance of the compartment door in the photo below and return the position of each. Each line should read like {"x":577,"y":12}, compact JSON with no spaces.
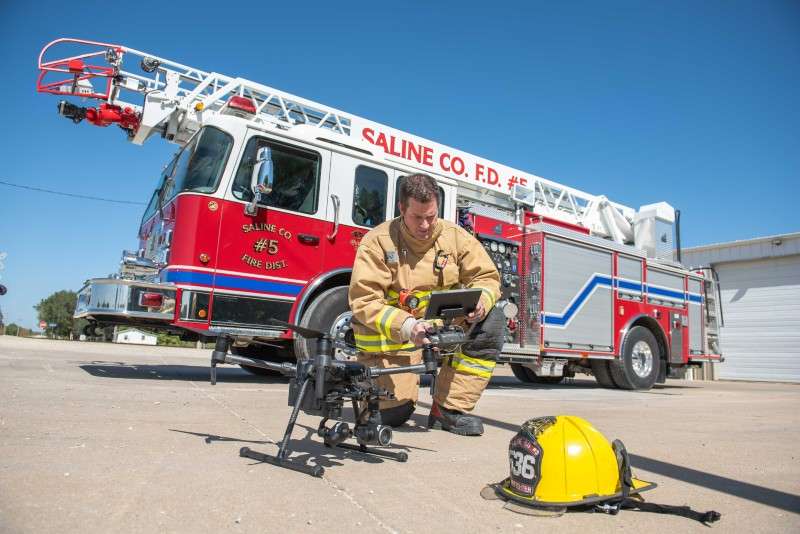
{"x":577,"y":297}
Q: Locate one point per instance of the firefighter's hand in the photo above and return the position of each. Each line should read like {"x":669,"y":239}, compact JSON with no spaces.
{"x":419,"y":333}
{"x":478,"y":314}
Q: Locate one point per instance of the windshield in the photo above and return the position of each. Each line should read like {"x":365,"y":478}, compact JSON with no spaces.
{"x":152,"y":206}
{"x":199,"y":165}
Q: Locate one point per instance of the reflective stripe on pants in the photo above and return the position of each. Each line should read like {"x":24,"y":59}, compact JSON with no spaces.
{"x":472,"y":366}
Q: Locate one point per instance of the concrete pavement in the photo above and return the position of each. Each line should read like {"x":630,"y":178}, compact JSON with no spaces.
{"x":101,"y":437}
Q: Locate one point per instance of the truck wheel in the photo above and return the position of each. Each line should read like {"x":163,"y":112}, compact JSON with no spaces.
{"x":602,"y":373}
{"x":637,"y":367}
{"x":546,"y":379}
{"x":520,"y":372}
{"x":260,"y":352}
{"x":526,"y":375}
{"x":93,"y":330}
{"x":329,"y":312}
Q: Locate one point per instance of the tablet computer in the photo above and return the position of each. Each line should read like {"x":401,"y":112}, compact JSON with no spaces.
{"x":452,"y":303}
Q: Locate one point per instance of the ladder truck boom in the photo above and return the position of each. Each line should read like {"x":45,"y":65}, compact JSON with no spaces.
{"x":175,"y":99}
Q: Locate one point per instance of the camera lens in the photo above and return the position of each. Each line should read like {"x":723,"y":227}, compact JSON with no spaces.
{"x":384,"y":436}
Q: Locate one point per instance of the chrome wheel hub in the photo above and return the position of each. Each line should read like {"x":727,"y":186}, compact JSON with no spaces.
{"x":342,"y":335}
{"x":642,"y":359}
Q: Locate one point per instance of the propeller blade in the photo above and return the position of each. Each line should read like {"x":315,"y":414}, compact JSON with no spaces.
{"x":307,"y":333}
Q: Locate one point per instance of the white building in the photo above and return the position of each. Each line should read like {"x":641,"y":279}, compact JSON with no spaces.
{"x":135,"y":337}
{"x":760,"y":295}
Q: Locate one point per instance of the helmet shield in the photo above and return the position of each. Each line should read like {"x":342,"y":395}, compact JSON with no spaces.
{"x":525,"y":456}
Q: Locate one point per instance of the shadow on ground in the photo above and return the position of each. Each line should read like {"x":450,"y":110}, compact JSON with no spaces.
{"x":510,"y":382}
{"x":737,"y":488}
{"x":194,"y":373}
{"x":303,"y":451}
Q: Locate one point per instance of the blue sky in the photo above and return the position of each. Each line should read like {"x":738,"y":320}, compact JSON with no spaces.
{"x":693,"y":103}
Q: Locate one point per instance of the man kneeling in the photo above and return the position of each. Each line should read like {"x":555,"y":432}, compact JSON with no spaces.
{"x":398,"y":264}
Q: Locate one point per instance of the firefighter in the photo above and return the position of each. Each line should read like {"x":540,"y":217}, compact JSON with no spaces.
{"x":397,"y":265}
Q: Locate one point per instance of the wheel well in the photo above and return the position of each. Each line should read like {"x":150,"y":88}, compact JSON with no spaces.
{"x":655,"y":329}
{"x":339,"y":279}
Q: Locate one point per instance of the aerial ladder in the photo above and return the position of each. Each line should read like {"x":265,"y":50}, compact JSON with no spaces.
{"x":175,"y":99}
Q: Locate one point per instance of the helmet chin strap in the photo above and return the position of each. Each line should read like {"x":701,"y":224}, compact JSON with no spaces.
{"x":638,"y":503}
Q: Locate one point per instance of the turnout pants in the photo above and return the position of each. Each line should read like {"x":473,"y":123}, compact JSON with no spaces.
{"x":463,"y":375}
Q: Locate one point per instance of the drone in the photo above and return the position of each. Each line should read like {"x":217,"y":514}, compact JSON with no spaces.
{"x":321,"y":385}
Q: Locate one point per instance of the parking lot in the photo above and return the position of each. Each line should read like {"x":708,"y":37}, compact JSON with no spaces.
{"x":101,"y":437}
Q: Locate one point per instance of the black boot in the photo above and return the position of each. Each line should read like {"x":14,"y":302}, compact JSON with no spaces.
{"x":454,"y":421}
{"x":397,"y":415}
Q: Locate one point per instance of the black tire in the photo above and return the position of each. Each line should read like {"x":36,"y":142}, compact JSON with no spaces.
{"x":639,"y":362}
{"x":262,"y":352}
{"x":602,"y":373}
{"x":321,"y":314}
{"x":526,"y":375}
{"x":546,"y":379}
{"x":93,"y":330}
{"x":520,"y":372}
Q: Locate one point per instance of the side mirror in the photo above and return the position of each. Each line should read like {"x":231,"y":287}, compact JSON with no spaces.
{"x":261,"y":179}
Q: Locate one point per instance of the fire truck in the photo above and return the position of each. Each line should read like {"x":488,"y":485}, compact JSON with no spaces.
{"x":259,"y":214}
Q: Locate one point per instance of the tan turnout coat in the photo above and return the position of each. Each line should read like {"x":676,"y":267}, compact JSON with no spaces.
{"x":390,"y":260}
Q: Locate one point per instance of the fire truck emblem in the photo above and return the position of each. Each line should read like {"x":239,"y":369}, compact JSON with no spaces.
{"x":213,"y":206}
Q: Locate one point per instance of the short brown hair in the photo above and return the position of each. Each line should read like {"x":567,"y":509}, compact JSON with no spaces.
{"x":420,"y":187}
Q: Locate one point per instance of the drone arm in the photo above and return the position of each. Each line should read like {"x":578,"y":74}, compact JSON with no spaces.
{"x":416,"y":369}
{"x":285,"y":368}
{"x":429,"y":365}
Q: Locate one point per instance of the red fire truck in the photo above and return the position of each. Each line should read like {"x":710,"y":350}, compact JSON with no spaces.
{"x":259,"y":214}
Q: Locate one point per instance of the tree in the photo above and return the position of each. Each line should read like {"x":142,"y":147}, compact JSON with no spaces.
{"x":77,"y":327}
{"x":171,"y":340}
{"x":57,"y":309}
{"x":14,"y":329}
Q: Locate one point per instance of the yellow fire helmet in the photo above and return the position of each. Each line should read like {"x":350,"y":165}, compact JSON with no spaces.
{"x":565,"y":461}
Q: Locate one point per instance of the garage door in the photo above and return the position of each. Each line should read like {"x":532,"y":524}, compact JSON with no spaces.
{"x":761,"y":305}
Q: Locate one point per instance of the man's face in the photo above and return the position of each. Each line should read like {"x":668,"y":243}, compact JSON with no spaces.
{"x":420,"y":217}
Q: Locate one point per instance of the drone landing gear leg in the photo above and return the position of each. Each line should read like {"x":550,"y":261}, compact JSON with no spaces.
{"x":219,"y":355}
{"x":399,"y":456}
{"x":281,"y":459}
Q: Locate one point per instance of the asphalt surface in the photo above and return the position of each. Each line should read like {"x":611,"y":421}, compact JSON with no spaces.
{"x":108,"y":438}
